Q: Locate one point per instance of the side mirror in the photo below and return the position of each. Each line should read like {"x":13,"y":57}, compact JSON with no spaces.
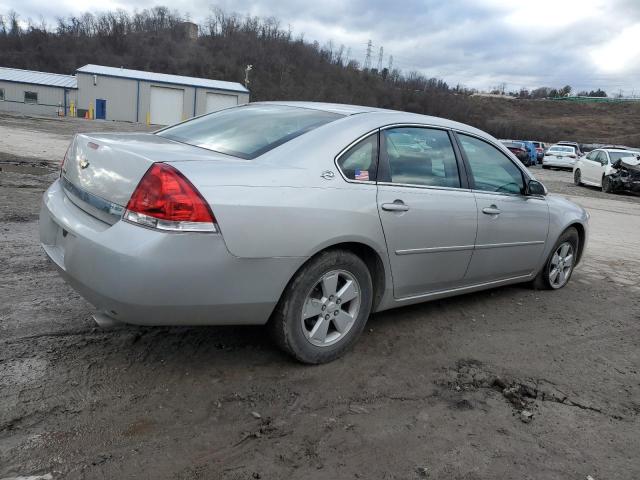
{"x":534,"y":187}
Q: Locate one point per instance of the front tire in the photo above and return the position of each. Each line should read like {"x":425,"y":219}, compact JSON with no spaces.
{"x":559,"y":266}
{"x":324,"y":308}
{"x":607,"y":186}
{"x":577,"y":177}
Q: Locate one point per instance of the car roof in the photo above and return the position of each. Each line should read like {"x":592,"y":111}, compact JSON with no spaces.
{"x":343,"y":109}
{"x":617,"y":150}
{"x":384,"y":116}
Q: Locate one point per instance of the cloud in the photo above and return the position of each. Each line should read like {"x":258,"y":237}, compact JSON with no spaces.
{"x":479,"y":43}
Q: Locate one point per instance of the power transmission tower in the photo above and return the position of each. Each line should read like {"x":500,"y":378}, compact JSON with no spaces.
{"x":367,"y":59}
{"x":390,"y":62}
{"x":380,"y":54}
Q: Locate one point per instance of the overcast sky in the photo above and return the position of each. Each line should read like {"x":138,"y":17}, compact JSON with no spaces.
{"x":479,"y":43}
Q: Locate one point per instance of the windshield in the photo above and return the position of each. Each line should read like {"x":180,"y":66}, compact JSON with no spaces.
{"x":615,"y":156}
{"x":249,"y":131}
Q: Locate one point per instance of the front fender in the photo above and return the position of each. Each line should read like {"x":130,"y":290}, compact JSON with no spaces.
{"x":563,"y":214}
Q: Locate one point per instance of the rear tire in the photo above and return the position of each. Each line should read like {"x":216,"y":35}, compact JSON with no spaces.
{"x":546,"y":167}
{"x":558,"y":267}
{"x":324,"y":308}
{"x":577,"y":177}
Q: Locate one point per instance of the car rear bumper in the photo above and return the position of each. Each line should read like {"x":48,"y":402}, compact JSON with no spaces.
{"x":559,"y":162}
{"x":142,"y":276}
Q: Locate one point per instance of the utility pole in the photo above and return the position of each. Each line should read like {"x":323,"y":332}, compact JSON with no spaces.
{"x":380,"y":54}
{"x":390,"y":63}
{"x":246,"y":75}
{"x":367,"y":59}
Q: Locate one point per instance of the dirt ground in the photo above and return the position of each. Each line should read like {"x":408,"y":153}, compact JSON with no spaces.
{"x":510,"y":383}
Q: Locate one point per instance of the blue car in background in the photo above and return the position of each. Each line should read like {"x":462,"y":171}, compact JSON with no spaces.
{"x":533,"y":154}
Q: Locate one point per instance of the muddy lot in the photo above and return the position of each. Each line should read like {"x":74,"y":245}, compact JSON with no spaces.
{"x":510,"y":383}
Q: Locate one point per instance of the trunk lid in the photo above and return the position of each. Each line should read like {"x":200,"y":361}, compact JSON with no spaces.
{"x":102,"y":170}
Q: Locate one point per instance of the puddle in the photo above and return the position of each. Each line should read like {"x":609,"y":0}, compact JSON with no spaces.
{"x":22,"y":168}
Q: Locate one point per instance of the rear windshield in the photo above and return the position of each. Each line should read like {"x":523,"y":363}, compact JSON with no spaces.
{"x":249,"y":131}
{"x":513,"y":145}
{"x":561,"y":149}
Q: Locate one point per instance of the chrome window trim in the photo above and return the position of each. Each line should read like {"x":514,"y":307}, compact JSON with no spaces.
{"x":424,"y":187}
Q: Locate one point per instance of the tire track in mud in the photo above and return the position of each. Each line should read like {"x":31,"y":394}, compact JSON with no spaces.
{"x":522,"y":394}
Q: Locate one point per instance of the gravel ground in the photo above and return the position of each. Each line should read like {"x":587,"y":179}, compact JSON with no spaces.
{"x":438,"y":390}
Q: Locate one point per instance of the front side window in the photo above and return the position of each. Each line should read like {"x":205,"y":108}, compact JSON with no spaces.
{"x":249,"y":131}
{"x":602,"y":158}
{"x":360,"y":162}
{"x":421,"y":156}
{"x":30,"y":97}
{"x":491,"y":170}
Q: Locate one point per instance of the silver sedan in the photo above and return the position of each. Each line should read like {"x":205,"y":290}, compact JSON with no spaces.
{"x":305,"y":216}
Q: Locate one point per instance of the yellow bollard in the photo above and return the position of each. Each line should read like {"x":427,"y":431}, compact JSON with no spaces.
{"x":148,"y":118}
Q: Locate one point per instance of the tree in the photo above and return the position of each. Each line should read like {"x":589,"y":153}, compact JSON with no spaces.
{"x":564,"y":91}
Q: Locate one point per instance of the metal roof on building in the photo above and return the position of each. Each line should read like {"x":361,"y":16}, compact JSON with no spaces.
{"x":16,"y":75}
{"x":162,"y":78}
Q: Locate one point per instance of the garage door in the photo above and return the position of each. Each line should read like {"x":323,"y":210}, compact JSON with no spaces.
{"x":166,"y":105}
{"x":218,"y":101}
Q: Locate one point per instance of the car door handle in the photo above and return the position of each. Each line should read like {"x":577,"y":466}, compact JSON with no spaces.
{"x":396,"y":206}
{"x":492,"y":210}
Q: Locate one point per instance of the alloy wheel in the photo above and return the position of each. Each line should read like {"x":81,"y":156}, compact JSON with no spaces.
{"x":331,"y":308}
{"x":561,"y":265}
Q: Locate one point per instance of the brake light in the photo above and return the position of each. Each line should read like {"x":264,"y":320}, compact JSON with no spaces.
{"x":572,"y":155}
{"x":166,"y":200}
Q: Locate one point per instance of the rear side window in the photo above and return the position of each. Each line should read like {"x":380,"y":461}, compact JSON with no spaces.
{"x":421,"y":156}
{"x":491,"y":170}
{"x":249,"y":131}
{"x":360,"y":162}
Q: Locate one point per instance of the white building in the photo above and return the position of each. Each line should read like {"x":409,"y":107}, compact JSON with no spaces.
{"x":37,"y":93}
{"x":157,"y":98}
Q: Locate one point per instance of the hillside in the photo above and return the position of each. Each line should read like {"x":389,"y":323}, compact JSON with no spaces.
{"x":288,"y":67}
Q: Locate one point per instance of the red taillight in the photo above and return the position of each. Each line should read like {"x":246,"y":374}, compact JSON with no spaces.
{"x":166,"y":200}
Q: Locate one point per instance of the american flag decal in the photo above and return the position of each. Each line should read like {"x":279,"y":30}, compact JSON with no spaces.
{"x":362,"y":175}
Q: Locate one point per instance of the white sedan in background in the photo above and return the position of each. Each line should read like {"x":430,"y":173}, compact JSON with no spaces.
{"x":595,"y":167}
{"x":560,"y":156}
